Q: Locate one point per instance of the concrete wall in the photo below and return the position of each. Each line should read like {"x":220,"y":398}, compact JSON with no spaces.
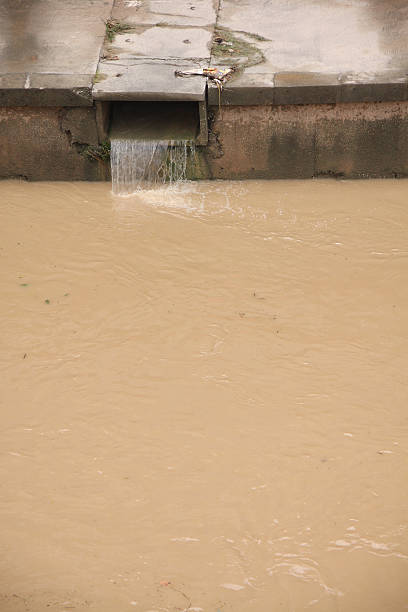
{"x":299,"y":141}
{"x":48,"y":143}
{"x":354,"y":140}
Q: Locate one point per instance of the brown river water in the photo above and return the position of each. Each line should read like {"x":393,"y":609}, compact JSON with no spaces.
{"x":204,"y":397}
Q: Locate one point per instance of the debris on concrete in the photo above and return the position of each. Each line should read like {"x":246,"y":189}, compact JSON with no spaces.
{"x":221,"y":41}
{"x":218,"y":75}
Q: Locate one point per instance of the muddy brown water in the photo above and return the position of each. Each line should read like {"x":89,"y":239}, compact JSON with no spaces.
{"x":204,"y":397}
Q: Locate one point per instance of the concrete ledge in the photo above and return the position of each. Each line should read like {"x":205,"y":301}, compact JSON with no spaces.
{"x":46,"y":90}
{"x":50,"y":51}
{"x":303,"y":52}
{"x":147,"y":80}
{"x":312,"y":51}
{"x":308,"y":88}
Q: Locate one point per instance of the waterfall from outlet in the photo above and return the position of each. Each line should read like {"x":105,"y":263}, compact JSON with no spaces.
{"x":142,"y":164}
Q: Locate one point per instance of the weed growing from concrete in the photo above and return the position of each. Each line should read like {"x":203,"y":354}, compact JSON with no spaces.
{"x":98,"y":153}
{"x":114,"y":27}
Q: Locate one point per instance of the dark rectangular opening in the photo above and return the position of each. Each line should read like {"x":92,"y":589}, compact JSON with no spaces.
{"x":155,"y":121}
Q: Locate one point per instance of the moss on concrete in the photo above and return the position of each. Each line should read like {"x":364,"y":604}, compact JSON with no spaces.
{"x":235,"y":51}
{"x":113,"y":27}
{"x":254,"y":36}
{"x":99,"y":76}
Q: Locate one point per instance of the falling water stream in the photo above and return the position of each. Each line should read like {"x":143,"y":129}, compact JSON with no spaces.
{"x":137,"y":164}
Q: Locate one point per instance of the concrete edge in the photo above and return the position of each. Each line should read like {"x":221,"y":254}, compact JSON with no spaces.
{"x":145,"y":96}
{"x":323,"y":93}
{"x":46,"y":90}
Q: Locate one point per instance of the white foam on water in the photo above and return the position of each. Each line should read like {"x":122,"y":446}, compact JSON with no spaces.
{"x":233,"y":587}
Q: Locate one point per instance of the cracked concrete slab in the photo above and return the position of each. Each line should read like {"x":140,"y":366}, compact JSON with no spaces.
{"x":159,"y":37}
{"x":49,"y":50}
{"x":180,"y":13}
{"x":163,"y":43}
{"x":130,"y":80}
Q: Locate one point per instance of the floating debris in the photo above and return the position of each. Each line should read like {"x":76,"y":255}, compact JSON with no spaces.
{"x":232,"y":587}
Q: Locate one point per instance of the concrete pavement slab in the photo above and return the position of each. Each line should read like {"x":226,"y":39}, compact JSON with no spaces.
{"x":315,"y":51}
{"x":181,"y":13}
{"x":298,"y":52}
{"x":164,"y":42}
{"x":50,"y":46}
{"x":130,"y":80}
{"x":157,"y":38}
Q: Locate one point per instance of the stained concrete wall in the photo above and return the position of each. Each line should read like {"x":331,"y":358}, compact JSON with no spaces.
{"x":273,"y":142}
{"x":301,"y":141}
{"x":49,"y":143}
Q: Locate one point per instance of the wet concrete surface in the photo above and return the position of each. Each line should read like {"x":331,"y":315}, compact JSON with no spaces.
{"x":305,"y":51}
{"x":49,"y":50}
{"x":349,"y":140}
{"x":314,"y":51}
{"x":140,"y":64}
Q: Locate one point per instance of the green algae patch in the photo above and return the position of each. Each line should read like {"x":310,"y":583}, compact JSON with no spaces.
{"x":235,"y":51}
{"x":99,"y":76}
{"x":113,"y":27}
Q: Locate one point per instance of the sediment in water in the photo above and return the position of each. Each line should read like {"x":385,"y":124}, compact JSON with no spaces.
{"x":207,"y":391}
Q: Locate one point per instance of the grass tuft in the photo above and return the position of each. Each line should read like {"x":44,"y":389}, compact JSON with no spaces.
{"x":114,"y":27}
{"x":98,"y":153}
